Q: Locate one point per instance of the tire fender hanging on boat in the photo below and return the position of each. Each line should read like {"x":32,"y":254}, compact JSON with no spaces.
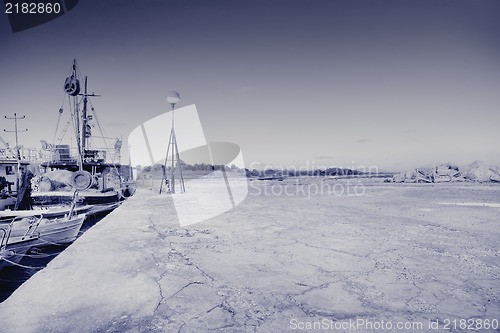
{"x":81,"y":180}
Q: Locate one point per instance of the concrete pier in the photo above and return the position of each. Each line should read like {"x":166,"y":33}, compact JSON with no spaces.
{"x":277,"y":262}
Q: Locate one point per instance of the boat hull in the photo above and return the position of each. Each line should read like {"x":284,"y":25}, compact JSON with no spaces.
{"x":6,"y":203}
{"x":53,"y":211}
{"x":12,"y":253}
{"x":59,"y":231}
{"x":101,"y":202}
{"x":104,"y":208}
{"x":49,"y":231}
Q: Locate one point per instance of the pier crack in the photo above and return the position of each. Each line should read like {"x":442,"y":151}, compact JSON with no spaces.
{"x":158,"y":282}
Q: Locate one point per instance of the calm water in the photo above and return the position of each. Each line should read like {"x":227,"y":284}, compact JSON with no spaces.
{"x":12,"y":277}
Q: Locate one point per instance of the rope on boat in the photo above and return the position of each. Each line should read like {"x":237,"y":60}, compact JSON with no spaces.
{"x":23,"y":266}
{"x":67,"y":124}
{"x":35,"y":256}
{"x":114,"y":157}
{"x":52,"y":243}
{"x":100,"y":129}
{"x":58,"y":122}
{"x":39,"y":256}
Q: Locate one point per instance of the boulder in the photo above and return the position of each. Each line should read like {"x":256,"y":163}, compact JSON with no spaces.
{"x":447,"y":169}
{"x":480,"y":172}
{"x":399,"y":178}
{"x":495,"y":178}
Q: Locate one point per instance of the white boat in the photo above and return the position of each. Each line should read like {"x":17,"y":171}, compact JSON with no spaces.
{"x":49,"y":228}
{"x":25,"y":229}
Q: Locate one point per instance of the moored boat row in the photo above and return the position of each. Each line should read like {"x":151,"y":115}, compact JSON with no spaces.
{"x":47,"y":203}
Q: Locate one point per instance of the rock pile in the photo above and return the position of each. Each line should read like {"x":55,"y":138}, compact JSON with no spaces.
{"x":448,"y":172}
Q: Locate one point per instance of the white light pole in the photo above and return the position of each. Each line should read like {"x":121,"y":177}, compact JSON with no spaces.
{"x":173,"y":98}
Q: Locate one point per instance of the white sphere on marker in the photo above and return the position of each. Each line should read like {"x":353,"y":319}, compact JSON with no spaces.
{"x":173,"y":97}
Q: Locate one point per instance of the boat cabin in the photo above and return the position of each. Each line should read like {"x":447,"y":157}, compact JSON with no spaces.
{"x":8,"y":174}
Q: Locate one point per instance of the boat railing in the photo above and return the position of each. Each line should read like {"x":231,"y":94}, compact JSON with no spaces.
{"x":29,"y":155}
{"x":34,"y":222}
{"x":6,"y":154}
{"x":67,"y":154}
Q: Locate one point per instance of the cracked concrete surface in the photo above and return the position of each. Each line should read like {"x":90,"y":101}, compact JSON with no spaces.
{"x":393,"y":254}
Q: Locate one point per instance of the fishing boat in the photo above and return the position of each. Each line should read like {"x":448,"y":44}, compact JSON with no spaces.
{"x":109,"y":185}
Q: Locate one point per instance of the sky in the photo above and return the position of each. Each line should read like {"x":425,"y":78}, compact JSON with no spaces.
{"x":391,"y":84}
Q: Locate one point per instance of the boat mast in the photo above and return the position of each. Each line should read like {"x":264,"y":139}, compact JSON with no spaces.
{"x":18,"y":151}
{"x":72,"y":88}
